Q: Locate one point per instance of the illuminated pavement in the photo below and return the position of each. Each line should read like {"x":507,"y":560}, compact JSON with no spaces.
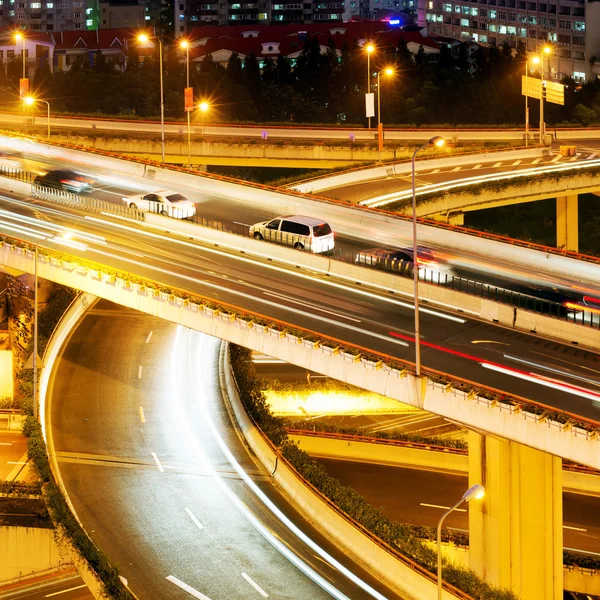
{"x":135,"y":415}
{"x":58,"y":586}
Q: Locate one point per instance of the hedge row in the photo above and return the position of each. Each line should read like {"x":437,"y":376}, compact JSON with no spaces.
{"x":48,"y":318}
{"x":406,"y":539}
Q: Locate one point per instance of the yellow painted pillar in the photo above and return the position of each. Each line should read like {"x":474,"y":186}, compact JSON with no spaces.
{"x":567,"y":222}
{"x":456,"y":219}
{"x":515,"y":533}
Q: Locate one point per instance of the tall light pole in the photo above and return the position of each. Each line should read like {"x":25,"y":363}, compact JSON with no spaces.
{"x":144,"y":39}
{"x":526,"y":103}
{"x":369,"y":49}
{"x":21,"y":38}
{"x":545,"y":50}
{"x":30,"y":100}
{"x":434,"y":141}
{"x":475,"y":492}
{"x":186,"y":45}
{"x":387,"y":71}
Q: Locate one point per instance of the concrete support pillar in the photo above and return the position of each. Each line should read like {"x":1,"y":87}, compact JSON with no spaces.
{"x":456,"y":219}
{"x":515,"y":533}
{"x":567,"y":222}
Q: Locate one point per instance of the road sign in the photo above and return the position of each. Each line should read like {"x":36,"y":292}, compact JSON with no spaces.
{"x":29,"y":362}
{"x":532,"y":87}
{"x":555,"y":92}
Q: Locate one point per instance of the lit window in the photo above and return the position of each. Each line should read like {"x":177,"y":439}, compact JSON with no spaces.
{"x":474,"y":13}
{"x":430,"y":5}
{"x":502,"y":29}
{"x":89,"y":22}
{"x":147,"y":17}
{"x":492,"y":14}
{"x":464,"y":22}
{"x":493,"y":27}
{"x":49,"y":4}
{"x":447,"y":7}
{"x":36,"y":5}
{"x":578,"y":25}
{"x":511,"y":30}
{"x":88,"y":11}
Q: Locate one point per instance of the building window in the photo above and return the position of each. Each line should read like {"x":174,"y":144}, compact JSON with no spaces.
{"x":578,"y":55}
{"x":578,"y":40}
{"x":36,"y":5}
{"x":10,"y":54}
{"x":77,"y":15}
{"x":493,"y":14}
{"x":578,"y":25}
{"x":502,"y":29}
{"x":578,"y":76}
{"x":552,"y":37}
{"x":89,"y":22}
{"x":511,"y":30}
{"x":76,"y":4}
{"x":49,"y":4}
{"x":464,"y":22}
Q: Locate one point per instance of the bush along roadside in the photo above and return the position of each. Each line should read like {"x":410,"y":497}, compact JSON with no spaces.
{"x":405,"y":539}
{"x":60,"y":513}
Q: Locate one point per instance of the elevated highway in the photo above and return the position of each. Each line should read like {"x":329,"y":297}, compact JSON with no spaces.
{"x":281,"y":302}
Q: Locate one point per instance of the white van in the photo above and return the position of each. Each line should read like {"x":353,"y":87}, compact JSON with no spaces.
{"x":302,"y":233}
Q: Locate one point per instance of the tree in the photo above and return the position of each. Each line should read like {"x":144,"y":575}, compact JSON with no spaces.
{"x":584,"y":115}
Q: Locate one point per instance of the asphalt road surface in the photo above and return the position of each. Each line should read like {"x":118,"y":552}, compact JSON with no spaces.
{"x":148,"y":455}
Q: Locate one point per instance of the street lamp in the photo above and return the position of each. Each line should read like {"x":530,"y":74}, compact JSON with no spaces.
{"x":434,"y":141}
{"x":21,"y":38}
{"x":387,"y":71}
{"x":30,"y":101}
{"x":545,"y":50}
{"x":186,"y":45}
{"x":475,"y":492}
{"x":144,"y":39}
{"x":203,"y":107}
{"x":369,"y":48}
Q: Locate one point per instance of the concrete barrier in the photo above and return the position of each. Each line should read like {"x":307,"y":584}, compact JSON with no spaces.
{"x":25,"y":551}
{"x":396,"y":574}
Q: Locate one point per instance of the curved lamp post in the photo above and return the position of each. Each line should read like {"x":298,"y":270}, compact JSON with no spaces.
{"x":369,"y":48}
{"x":30,"y":101}
{"x":388,"y":71}
{"x":434,"y":141}
{"x":475,"y":492}
{"x":186,"y":46}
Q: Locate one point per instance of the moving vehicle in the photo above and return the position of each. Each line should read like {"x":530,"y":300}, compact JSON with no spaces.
{"x":11,"y":159}
{"x":302,"y":233}
{"x":397,"y":259}
{"x":163,"y":202}
{"x":63,"y":179}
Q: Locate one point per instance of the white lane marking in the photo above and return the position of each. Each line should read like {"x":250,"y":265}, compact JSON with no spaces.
{"x":188,"y":588}
{"x":5,"y":443}
{"x":498,"y":164}
{"x":552,"y":369}
{"x":160,"y":467}
{"x":274,"y":268}
{"x":455,"y":169}
{"x":478,"y":166}
{"x":556,"y":158}
{"x":148,"y":338}
{"x":194,"y":519}
{"x":142,"y":417}
{"x":574,"y":158}
{"x":255,"y":585}
{"x":574,"y":528}
{"x":240,"y":223}
{"x":584,"y":551}
{"x":536,"y":161}
{"x":78,"y":587}
{"x":593,"y":155}
{"x":517,"y":162}
{"x":442,"y":507}
{"x":308,"y":305}
{"x":434,"y":171}
{"x":140,"y":372}
{"x":12,"y":462}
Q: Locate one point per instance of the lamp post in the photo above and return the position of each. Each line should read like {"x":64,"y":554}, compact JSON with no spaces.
{"x":545,"y":50}
{"x":475,"y":492}
{"x":369,"y":48}
{"x":143,"y":38}
{"x":186,"y":45}
{"x":387,"y":71}
{"x":21,"y":38}
{"x":434,"y":141}
{"x":526,"y":103}
{"x":30,"y":100}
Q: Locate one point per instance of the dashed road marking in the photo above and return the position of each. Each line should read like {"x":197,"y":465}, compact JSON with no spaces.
{"x":148,"y":338}
{"x":160,"y":467}
{"x":194,"y":519}
{"x":77,"y":587}
{"x":434,"y":171}
{"x":142,"y":417}
{"x":498,"y":164}
{"x":576,"y":157}
{"x":140,"y":372}
{"x":456,"y":169}
{"x":255,"y":585}
{"x":556,"y":158}
{"x":188,"y":588}
{"x":478,"y":166}
{"x":593,"y":155}
{"x":536,"y":161}
{"x":517,"y":162}
{"x":574,"y":528}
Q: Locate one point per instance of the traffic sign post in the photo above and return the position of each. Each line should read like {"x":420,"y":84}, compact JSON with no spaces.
{"x":551,"y":91}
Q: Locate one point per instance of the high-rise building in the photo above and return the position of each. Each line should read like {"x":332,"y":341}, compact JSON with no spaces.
{"x":41,"y":15}
{"x":570,"y":27}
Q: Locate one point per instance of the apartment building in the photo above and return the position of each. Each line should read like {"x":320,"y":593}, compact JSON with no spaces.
{"x":570,"y":27}
{"x":41,"y":15}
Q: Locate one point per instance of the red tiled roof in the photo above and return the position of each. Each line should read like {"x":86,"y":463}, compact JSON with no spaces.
{"x":100,"y":39}
{"x":231,"y":38}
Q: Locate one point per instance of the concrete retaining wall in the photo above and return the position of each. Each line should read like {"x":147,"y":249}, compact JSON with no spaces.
{"x":28,"y":550}
{"x":464,"y":407}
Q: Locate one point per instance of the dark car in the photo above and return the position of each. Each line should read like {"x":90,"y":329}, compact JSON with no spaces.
{"x":62,"y":179}
{"x":394,"y":258}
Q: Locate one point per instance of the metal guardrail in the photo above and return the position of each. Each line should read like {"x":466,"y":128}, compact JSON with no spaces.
{"x":88,"y":203}
{"x":17,"y":174}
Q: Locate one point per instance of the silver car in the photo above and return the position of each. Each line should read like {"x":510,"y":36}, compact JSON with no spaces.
{"x":302,"y":233}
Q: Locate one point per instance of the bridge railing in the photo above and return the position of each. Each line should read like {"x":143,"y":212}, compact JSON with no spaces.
{"x":82,"y":202}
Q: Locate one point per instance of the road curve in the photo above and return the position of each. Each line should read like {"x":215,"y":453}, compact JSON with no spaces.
{"x":137,"y":419}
